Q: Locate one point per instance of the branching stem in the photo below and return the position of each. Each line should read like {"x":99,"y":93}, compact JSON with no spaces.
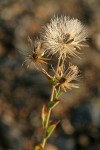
{"x":49,"y":111}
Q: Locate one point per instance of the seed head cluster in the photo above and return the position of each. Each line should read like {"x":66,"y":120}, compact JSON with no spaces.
{"x":63,"y":37}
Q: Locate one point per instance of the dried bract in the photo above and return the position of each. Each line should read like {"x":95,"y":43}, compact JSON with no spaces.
{"x":64,"y":36}
{"x":34,"y":55}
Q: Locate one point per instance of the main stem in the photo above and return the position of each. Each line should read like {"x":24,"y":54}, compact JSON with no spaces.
{"x":49,"y":111}
{"x":48,"y":116}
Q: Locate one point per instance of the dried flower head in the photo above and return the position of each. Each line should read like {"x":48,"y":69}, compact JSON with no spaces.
{"x":65,"y":79}
{"x":34,"y":55}
{"x":64,"y":36}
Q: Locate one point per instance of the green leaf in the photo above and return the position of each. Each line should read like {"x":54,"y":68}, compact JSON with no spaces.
{"x":38,"y":148}
{"x":50,"y":129}
{"x":44,"y":116}
{"x":53,"y":82}
{"x":53,"y":103}
{"x":58,"y":93}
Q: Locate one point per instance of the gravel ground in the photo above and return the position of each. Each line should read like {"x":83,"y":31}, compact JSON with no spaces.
{"x":24,"y":91}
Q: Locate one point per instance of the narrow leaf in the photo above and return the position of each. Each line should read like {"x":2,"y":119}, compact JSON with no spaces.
{"x":44,"y":115}
{"x":50,"y":129}
{"x":38,"y":148}
{"x":53,"y":103}
{"x":53,"y":82}
{"x":58,"y":94}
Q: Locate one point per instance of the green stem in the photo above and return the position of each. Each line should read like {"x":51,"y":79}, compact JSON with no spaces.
{"x":58,"y":64}
{"x":49,"y":111}
{"x":48,"y":116}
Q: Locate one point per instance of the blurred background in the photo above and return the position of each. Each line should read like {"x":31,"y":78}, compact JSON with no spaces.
{"x":23,"y":92}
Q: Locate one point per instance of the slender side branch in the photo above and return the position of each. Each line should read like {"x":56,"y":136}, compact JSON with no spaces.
{"x":46,"y":73}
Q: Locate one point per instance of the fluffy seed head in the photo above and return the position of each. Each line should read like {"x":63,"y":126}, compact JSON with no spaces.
{"x":66,"y":78}
{"x":34,"y":55}
{"x":64,"y":36}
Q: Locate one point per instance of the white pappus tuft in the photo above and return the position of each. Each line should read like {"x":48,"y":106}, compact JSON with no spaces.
{"x":64,"y":36}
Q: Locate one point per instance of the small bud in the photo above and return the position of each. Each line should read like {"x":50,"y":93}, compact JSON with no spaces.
{"x":44,"y":115}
